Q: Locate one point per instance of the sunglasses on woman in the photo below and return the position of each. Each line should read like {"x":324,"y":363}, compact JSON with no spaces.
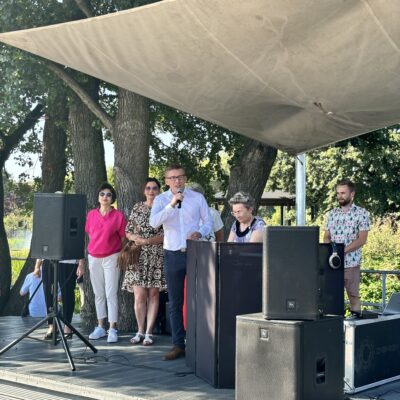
{"x":107,"y":194}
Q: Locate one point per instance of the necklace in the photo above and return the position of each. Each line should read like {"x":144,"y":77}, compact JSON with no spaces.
{"x":241,"y":233}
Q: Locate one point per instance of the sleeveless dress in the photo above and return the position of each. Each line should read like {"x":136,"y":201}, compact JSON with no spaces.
{"x":149,"y":272}
{"x":256,"y":225}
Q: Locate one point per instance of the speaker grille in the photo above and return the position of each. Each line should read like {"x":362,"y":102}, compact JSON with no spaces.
{"x":290,"y":273}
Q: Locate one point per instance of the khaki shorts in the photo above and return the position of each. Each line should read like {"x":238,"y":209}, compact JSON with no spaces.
{"x":352,"y":281}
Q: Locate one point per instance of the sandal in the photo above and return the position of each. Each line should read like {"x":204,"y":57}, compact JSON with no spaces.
{"x":137,"y":338}
{"x":148,"y":340}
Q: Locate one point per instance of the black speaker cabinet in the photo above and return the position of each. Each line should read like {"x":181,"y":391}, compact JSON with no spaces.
{"x":291,"y":273}
{"x":290,"y":360}
{"x":223,"y":281}
{"x":332,"y":280}
{"x":58,"y":226}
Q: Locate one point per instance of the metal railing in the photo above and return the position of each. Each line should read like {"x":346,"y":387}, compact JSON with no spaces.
{"x":384,"y":274}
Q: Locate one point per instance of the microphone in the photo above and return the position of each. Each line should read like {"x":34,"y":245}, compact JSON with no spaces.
{"x":179,"y":202}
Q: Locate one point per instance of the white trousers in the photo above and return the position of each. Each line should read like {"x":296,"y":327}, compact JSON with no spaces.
{"x":104,"y":275}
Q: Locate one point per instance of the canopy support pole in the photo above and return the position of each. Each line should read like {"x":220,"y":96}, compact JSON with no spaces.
{"x":301,"y":189}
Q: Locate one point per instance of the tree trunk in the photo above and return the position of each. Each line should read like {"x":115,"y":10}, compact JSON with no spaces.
{"x":131,"y":136}
{"x":90,"y":172}
{"x":249,"y":174}
{"x":53,"y":175}
{"x":5,"y":259}
{"x":10,"y":300}
{"x":54,"y":144}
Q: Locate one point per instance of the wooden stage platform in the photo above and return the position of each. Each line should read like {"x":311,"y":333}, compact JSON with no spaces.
{"x":118,"y":371}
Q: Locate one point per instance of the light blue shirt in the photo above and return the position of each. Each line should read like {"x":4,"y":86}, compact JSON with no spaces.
{"x":178,"y":223}
{"x":37,"y":306}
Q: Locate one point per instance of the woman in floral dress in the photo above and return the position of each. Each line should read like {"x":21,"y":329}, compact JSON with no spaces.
{"x":146,"y":278}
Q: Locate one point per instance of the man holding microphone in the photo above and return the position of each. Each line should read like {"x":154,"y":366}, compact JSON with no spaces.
{"x":184,"y":215}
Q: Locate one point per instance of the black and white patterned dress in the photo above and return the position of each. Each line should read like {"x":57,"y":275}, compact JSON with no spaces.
{"x":149,"y":272}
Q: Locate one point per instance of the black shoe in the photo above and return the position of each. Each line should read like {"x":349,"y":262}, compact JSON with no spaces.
{"x":355,"y":315}
{"x":68,"y":335}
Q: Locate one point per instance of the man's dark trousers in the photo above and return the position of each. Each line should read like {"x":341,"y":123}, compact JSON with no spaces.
{"x":175,"y":273}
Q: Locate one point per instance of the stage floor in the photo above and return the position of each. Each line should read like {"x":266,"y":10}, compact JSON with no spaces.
{"x":118,"y":371}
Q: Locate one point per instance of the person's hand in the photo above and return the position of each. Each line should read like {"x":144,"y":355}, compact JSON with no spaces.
{"x":81,"y":269}
{"x":175,"y":198}
{"x":194,"y":236}
{"x":140,"y":241}
{"x":131,"y":236}
{"x":36,"y":272}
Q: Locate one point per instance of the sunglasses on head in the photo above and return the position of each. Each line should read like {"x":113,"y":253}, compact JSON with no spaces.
{"x":107,"y":194}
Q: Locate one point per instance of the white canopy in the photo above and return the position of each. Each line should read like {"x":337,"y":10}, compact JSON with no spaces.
{"x":294,"y":74}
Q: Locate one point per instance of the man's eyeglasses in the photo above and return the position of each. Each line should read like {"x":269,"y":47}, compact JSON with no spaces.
{"x":148,"y":188}
{"x":176,"y":178}
{"x":107,"y":194}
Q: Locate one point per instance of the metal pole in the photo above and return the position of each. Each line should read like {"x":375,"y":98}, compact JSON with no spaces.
{"x":301,"y":189}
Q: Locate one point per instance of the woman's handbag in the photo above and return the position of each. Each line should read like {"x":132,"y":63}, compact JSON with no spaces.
{"x":129,"y":255}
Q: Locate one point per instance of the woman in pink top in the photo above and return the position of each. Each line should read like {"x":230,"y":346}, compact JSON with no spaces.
{"x":105,"y":227}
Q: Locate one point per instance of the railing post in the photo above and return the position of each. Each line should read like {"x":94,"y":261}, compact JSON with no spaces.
{"x":384,"y":275}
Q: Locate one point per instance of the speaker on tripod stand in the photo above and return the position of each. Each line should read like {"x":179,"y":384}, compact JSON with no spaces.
{"x":58,"y":234}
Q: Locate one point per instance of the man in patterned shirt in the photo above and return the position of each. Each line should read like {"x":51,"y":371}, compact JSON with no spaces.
{"x":349,"y":224}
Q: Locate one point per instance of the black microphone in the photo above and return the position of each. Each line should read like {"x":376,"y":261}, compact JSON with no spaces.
{"x":179,"y":202}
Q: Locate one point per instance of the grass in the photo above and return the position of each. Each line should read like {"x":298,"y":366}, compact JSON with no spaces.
{"x":18,"y":258}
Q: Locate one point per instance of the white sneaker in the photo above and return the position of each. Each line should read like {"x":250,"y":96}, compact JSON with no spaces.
{"x":112,"y":335}
{"x":98,"y":333}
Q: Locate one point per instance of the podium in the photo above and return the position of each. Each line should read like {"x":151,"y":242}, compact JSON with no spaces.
{"x":223,"y":280}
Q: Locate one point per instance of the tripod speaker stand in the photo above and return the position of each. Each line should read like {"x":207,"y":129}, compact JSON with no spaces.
{"x":57,"y":319}
{"x":58,"y":234}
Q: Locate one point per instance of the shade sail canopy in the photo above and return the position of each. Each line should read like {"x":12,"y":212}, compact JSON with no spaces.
{"x":294,"y":74}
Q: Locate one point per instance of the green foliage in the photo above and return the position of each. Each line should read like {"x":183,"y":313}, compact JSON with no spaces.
{"x":18,"y":258}
{"x":199,"y":146}
{"x":382,"y":250}
{"x":372,"y":161}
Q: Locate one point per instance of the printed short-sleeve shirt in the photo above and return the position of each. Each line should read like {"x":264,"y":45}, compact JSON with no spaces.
{"x":344,"y":228}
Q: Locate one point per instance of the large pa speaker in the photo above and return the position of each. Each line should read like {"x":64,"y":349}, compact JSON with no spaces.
{"x":290,"y":360}
{"x":223,"y":281}
{"x":331,"y":279}
{"x":58,"y":226}
{"x":291,"y":273}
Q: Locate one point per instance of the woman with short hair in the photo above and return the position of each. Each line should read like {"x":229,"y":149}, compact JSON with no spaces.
{"x":247,"y":227}
{"x":105,"y":227}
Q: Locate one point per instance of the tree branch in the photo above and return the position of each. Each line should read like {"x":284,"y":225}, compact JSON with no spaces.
{"x":84,"y":6}
{"x":11,"y":141}
{"x":82,"y":94}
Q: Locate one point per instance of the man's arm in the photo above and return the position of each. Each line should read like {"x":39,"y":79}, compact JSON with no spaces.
{"x":327,"y":237}
{"x":219,"y":235}
{"x":207,"y":222}
{"x":25,"y":287}
{"x":357,"y":243}
{"x":160,"y":213}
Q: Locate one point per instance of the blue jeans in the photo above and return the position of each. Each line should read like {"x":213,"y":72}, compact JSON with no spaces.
{"x":175,"y":272}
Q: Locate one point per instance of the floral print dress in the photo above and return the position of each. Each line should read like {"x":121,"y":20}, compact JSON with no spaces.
{"x":149,"y":272}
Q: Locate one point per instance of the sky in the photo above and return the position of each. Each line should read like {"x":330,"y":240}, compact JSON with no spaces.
{"x":14,"y":169}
